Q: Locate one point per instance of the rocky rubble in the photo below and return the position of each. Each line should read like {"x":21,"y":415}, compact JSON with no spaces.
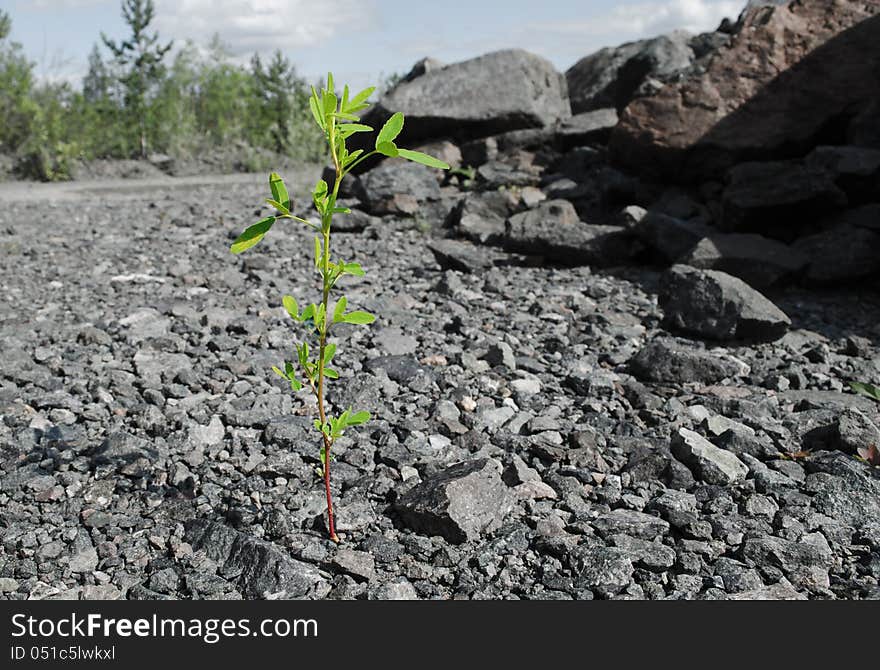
{"x":586,"y":382}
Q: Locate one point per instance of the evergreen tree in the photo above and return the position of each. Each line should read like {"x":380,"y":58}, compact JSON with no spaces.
{"x":141,"y":57}
{"x":276,"y":89}
{"x":97,"y":82}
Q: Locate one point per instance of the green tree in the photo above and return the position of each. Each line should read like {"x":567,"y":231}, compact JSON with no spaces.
{"x":16,"y":83}
{"x":5,"y":25}
{"x":98,"y":83}
{"x":140,"y":56}
{"x":279,"y":115}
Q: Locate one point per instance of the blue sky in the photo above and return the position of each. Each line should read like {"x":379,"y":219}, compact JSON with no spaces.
{"x":359,"y":39}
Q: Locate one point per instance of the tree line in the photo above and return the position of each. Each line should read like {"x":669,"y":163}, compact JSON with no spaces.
{"x":138,"y":99}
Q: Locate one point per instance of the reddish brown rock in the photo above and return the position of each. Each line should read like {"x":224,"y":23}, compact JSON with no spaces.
{"x":791,"y":76}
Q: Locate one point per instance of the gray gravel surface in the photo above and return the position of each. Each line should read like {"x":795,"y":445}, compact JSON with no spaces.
{"x":535,"y":435}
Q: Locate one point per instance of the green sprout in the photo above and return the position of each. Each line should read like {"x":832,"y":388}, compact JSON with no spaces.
{"x":338,"y":120}
{"x":867,"y":390}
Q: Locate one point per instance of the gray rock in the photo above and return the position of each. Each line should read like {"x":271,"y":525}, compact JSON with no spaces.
{"x":8,"y":585}
{"x":855,"y":169}
{"x":841,"y":253}
{"x":399,"y":187}
{"x":501,"y":353}
{"x":480,"y":216}
{"x":258,"y":568}
{"x":460,"y":255}
{"x":554,"y":231}
{"x":736,"y":576}
{"x":714,"y":305}
{"x":780,"y":591}
{"x":651,"y":555}
{"x":500,"y":91}
{"x":805,"y":563}
{"x":358,"y":564}
{"x":668,"y":237}
{"x":207,"y":436}
{"x":758,"y":261}
{"x":611,"y":76}
{"x":83,"y":555}
{"x":777,"y":198}
{"x":856,"y":431}
{"x":605,"y":570}
{"x":400,"y":589}
{"x":844,"y":489}
{"x":401,"y":369}
{"x":665,"y":360}
{"x":632,"y":523}
{"x":123,"y":450}
{"x":463,"y":502}
{"x":586,"y":127}
{"x":708,"y":462}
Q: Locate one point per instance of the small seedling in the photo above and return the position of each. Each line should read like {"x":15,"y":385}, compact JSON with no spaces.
{"x":337,"y":117}
{"x":867,"y":390}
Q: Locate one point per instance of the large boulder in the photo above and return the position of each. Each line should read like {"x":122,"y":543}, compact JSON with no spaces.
{"x":500,"y":91}
{"x":777,"y":197}
{"x":788,"y":76}
{"x":717,"y":306}
{"x":611,"y":76}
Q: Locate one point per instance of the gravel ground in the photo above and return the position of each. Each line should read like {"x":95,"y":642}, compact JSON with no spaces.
{"x":526,"y":442}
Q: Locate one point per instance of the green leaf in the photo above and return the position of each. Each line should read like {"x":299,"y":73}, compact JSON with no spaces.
{"x":313,"y":105}
{"x":296,"y":384}
{"x":390,"y":130}
{"x":277,"y":205}
{"x":308,"y":313}
{"x":302,"y":352}
{"x":358,"y":418}
{"x":352,"y":128}
{"x":279,"y":191}
{"x":359,"y":99}
{"x":252,"y":235}
{"x":424,"y":159}
{"x":340,"y":309}
{"x":351,"y":158}
{"x":289,"y":370}
{"x":387,"y":149}
{"x":290,"y":305}
{"x":330,"y":102}
{"x":353,"y":269}
{"x":329,"y":352}
{"x":867,"y":390}
{"x":358,"y":317}
{"x":330,"y":373}
{"x":278,"y":372}
{"x":317,"y":251}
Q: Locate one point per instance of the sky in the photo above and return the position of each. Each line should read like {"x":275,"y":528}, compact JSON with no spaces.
{"x":360,"y":40}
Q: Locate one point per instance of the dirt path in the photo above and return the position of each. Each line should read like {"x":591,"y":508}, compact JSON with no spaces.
{"x":18,"y":191}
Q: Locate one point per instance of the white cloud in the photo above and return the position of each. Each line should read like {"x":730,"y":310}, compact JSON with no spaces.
{"x":64,"y":4}
{"x":564,"y":42}
{"x":260,"y":25}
